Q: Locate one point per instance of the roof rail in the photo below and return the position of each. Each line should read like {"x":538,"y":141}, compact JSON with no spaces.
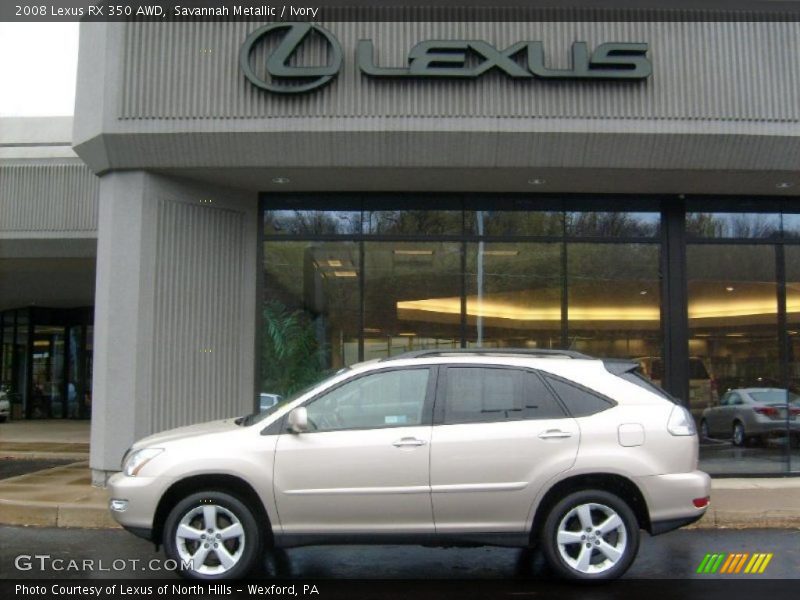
{"x":532,"y":352}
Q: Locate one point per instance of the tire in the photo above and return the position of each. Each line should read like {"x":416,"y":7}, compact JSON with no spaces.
{"x":611,"y":553}
{"x":3,"y":419}
{"x":704,"y":435}
{"x":193,"y":516}
{"x":739,"y":434}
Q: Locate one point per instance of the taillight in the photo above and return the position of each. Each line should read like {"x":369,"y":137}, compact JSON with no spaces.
{"x":680,"y":422}
{"x":795,"y":411}
{"x":767,"y":411}
{"x":701,"y":502}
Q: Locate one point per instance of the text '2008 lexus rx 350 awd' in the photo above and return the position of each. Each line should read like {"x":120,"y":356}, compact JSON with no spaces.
{"x":507,"y":447}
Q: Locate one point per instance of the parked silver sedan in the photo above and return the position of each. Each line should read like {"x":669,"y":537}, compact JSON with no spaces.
{"x":747,"y":413}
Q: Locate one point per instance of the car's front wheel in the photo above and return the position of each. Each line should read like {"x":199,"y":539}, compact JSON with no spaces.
{"x":212,"y":535}
{"x":590,"y":534}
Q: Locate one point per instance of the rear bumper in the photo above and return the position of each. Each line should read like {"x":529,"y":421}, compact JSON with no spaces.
{"x":670,"y":498}
{"x":659,"y":527}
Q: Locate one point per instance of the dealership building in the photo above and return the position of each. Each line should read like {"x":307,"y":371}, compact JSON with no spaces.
{"x":238,"y":208}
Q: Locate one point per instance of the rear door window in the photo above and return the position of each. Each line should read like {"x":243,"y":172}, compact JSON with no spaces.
{"x":486,"y":394}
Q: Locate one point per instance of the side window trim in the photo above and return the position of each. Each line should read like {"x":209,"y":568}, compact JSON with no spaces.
{"x":427,"y":405}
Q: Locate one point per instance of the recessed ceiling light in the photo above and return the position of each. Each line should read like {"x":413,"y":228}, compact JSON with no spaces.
{"x":407,"y":334}
{"x":643,"y":293}
{"x":536,"y":181}
{"x":783,"y":185}
{"x":345,"y":273}
{"x":334,"y":263}
{"x":734,"y":335}
{"x":729,"y":288}
{"x":281,"y":180}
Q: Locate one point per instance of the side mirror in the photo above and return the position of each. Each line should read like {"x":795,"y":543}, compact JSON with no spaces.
{"x":298,"y":420}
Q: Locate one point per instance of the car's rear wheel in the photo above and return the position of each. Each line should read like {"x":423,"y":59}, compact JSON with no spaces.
{"x":590,"y":534}
{"x":739,"y":434}
{"x":212,"y":535}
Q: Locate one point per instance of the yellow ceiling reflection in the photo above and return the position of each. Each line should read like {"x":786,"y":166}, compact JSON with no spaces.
{"x":489,"y":308}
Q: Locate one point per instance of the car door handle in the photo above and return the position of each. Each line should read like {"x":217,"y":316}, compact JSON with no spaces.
{"x":408,"y":441}
{"x":554,"y":433}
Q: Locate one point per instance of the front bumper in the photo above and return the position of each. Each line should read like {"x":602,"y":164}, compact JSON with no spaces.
{"x":670,"y":498}
{"x":140,"y":496}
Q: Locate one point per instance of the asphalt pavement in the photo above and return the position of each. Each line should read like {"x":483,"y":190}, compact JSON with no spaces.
{"x":675,"y":555}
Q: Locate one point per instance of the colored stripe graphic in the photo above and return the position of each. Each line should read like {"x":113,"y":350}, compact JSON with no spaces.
{"x":703,"y":563}
{"x":725,"y":567}
{"x":734,"y":563}
{"x":741,"y":562}
{"x":764,"y":564}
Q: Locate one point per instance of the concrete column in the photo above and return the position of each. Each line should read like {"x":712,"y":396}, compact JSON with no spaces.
{"x":174,"y":337}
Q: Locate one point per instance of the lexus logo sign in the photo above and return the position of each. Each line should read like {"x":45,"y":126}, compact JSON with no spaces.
{"x":459,"y":59}
{"x":278,"y":68}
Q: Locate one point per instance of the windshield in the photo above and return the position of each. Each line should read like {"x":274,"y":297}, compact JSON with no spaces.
{"x":775,"y":397}
{"x":260,"y":416}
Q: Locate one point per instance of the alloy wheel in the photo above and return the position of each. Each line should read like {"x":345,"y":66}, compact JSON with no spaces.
{"x":210,"y":538}
{"x":591,"y":538}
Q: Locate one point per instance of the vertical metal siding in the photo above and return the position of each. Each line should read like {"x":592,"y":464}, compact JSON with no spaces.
{"x":48,"y":197}
{"x":199,"y":283}
{"x":729,"y":71}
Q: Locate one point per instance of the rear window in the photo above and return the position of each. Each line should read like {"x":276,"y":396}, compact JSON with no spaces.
{"x":775,"y":397}
{"x":579,"y":401}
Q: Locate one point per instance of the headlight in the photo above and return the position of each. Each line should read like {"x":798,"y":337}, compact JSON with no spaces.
{"x":681,"y":422}
{"x":139,"y":459}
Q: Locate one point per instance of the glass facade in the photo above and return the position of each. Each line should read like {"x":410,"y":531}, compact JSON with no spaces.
{"x":350,"y":278}
{"x":46,"y":362}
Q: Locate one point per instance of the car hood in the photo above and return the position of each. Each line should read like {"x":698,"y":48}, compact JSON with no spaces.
{"x":189,"y":431}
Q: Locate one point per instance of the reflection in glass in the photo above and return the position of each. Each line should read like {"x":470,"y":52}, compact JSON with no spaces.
{"x":515,"y":222}
{"x":310,"y":312}
{"x":733,"y":225}
{"x":792,"y":254}
{"x":791,"y":225}
{"x":614,"y":300}
{"x":413,"y":222}
{"x":514,"y":295}
{"x":412,"y":297}
{"x":311,"y":222}
{"x":612,"y":224}
{"x":733,"y":334}
{"x":47,"y":400}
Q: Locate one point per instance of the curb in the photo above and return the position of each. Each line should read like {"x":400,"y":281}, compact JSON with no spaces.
{"x":743,"y":519}
{"x":35,"y":455}
{"x":48,"y":514}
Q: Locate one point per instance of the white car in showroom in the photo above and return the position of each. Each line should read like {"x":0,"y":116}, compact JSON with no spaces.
{"x":507,"y":447}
